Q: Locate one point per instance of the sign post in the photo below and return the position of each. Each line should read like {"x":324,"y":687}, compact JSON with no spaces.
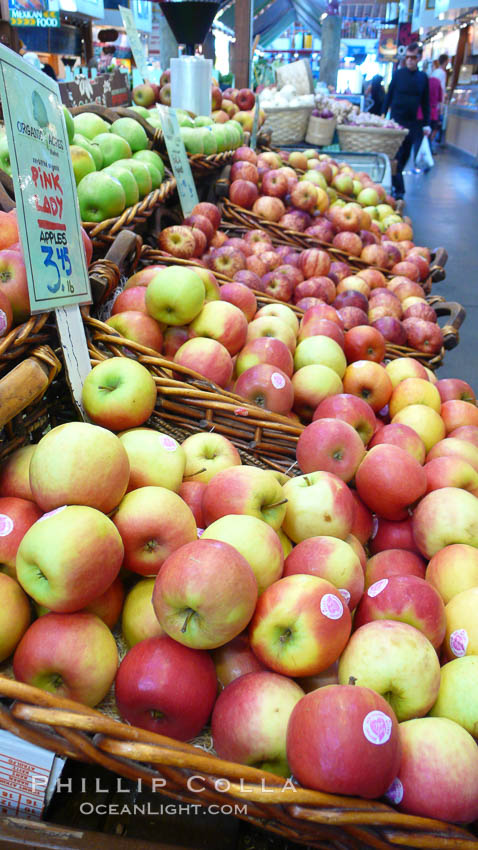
{"x":136,"y":45}
{"x":178,"y":158}
{"x":47,"y":206}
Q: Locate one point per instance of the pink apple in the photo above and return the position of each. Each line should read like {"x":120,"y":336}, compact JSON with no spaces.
{"x":350,"y":243}
{"x":455,"y":448}
{"x":389,"y":480}
{"x":242,"y":170}
{"x":211,"y":211}
{"x":269,"y":209}
{"x":173,"y":338}
{"x":393,"y":535}
{"x":223,"y":322}
{"x":315,"y":287}
{"x":304,"y":196}
{"x":15,"y":615}
{"x":312,"y":384}
{"x":208,"y":357}
{"x":15,"y":474}
{"x":137,"y":326}
{"x":132,"y":298}
{"x":366,"y":750}
{"x":468,"y":433}
{"x":352,"y":317}
{"x":166,"y":688}
{"x":393,"y":562}
{"x":266,"y":386}
{"x":321,"y":631}
{"x":73,"y":656}
{"x":408,"y":599}
{"x":445,"y":516}
{"x":245,"y":490}
{"x":331,"y":445}
{"x":391,"y":329}
{"x":355,"y":411}
{"x":182,"y":599}
{"x":274,"y":183}
{"x":437,"y":747}
{"x":244,"y":153}
{"x":314,"y":262}
{"x":331,"y":559}
{"x":13,"y":284}
{"x":235,"y":659}
{"x":201,"y":222}
{"x":362,"y":527}
{"x":423,"y":336}
{"x":16,"y":517}
{"x":455,"y":388}
{"x":248,"y":278}
{"x":272,"y":326}
{"x":403,"y":437}
{"x":457,"y":413}
{"x":241,"y":296}
{"x":265,"y":350}
{"x":451,"y":472}
{"x":321,"y":311}
{"x":322,"y":327}
{"x":277,"y":285}
{"x":322,"y":230}
{"x":227,"y":260}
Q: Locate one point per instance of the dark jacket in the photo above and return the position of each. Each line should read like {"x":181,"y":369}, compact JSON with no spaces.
{"x":408,"y":90}
{"x":377,"y":93}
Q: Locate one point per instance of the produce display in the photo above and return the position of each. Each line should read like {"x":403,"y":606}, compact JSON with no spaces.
{"x":320,"y":623}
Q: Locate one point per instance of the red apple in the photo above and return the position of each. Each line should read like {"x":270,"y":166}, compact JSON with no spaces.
{"x":235,"y":659}
{"x":227,"y":260}
{"x":178,"y":241}
{"x":321,"y":311}
{"x":455,"y":388}
{"x":389,"y":480}
{"x":402,"y":436}
{"x":369,"y":381}
{"x":457,"y":414}
{"x":314,"y":262}
{"x":351,"y":298}
{"x":348,"y":242}
{"x":248,"y":278}
{"x":304,"y":196}
{"x":393,"y":535}
{"x":267,"y":386}
{"x":322,"y":230}
{"x":244,"y":153}
{"x":364,"y":343}
{"x":173,"y":339}
{"x":13,"y":284}
{"x":330,"y":445}
{"x":132,"y":298}
{"x":241,"y":296}
{"x":274,"y":183}
{"x":270,"y":209}
{"x":331,"y":559}
{"x":210,"y":211}
{"x":244,"y":193}
{"x":245,"y":99}
{"x":391,"y":329}
{"x":346,"y":218}
{"x":208,"y":357}
{"x":277,"y":285}
{"x":352,"y":410}
{"x":375,"y":254}
{"x":392,"y":562}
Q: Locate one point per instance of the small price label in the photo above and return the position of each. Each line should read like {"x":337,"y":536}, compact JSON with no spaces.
{"x":255,"y":124}
{"x":178,"y":158}
{"x":137,"y":47}
{"x":45,"y":189}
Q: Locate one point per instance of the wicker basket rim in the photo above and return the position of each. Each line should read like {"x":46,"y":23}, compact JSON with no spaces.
{"x":388,"y":131}
{"x":286,"y":108}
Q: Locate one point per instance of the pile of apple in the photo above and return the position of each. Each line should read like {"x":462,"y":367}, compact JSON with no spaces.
{"x":247,"y":598}
{"x":14,"y":296}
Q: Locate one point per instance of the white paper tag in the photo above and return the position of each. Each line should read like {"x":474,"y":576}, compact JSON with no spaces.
{"x":459,"y":642}
{"x":28,"y":776}
{"x":377,"y":587}
{"x":377,"y":727}
{"x":331,"y":606}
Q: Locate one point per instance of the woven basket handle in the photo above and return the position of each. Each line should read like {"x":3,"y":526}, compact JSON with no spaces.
{"x":437,"y":268}
{"x":7,"y":192}
{"x":27,"y":382}
{"x":104,"y":112}
{"x":456,"y":315}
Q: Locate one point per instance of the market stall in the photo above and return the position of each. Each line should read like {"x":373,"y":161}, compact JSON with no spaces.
{"x":237,"y":467}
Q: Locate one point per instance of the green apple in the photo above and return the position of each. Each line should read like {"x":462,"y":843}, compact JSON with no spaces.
{"x":155,"y":459}
{"x":15,"y":615}
{"x":209,"y":141}
{"x":140,"y":173}
{"x":193,"y":141}
{"x":185,"y":121}
{"x":100,"y":196}
{"x":113,"y":148}
{"x":256,"y":541}
{"x":151,"y":157}
{"x":82,"y":161}
{"x":239,"y":127}
{"x":70,"y":127}
{"x":129,"y":184}
{"x":90,"y":125}
{"x":5,"y":155}
{"x":132,"y":131}
{"x":372,"y":211}
{"x":391,"y":219}
{"x":175,"y":296}
{"x":458,"y":695}
{"x":203,"y":121}
{"x":141,"y":110}
{"x":315,"y":177}
{"x":154,"y":120}
{"x":384,"y":210}
{"x":119,"y":393}
{"x":138,"y":621}
{"x":93,"y":149}
{"x":222,"y":136}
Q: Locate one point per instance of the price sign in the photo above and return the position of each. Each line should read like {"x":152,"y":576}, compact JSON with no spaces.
{"x":45,"y":190}
{"x":178,"y":158}
{"x":135,"y":42}
{"x":255,"y":124}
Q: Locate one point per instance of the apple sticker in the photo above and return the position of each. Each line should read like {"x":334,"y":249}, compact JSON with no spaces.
{"x":459,"y":642}
{"x":200,"y":532}
{"x":277,"y":380}
{"x":169,"y":444}
{"x":6,"y":525}
{"x":3,"y":322}
{"x":51,"y":513}
{"x":344,"y":594}
{"x":377,"y":727}
{"x":331,"y":606}
{"x":395,"y":792}
{"x":377,"y":587}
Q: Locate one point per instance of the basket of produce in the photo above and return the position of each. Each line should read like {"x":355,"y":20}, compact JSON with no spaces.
{"x":366,"y":132}
{"x":297,"y":74}
{"x":286,"y":114}
{"x":321,"y":128}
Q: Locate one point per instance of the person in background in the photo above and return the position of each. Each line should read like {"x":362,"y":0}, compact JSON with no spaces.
{"x":436,"y":107}
{"x":34,"y":61}
{"x":377,"y":93}
{"x":440,"y":72}
{"x":408,"y":90}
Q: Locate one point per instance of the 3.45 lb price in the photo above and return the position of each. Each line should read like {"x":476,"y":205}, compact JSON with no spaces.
{"x":63,"y":259}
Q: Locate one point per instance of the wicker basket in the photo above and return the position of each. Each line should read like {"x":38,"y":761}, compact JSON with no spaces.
{"x":288,"y":126}
{"x":370,"y":139}
{"x":318,"y":820}
{"x":297,"y":74}
{"x":320,"y":131}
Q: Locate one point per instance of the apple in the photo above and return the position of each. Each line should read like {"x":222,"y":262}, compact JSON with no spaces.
{"x":321,"y":311}
{"x":15,"y":474}
{"x":455,"y":448}
{"x":407,"y":599}
{"x":322,"y":630}
{"x":423,"y":336}
{"x":331,"y":445}
{"x":142,"y":278}
{"x":451,"y":472}
{"x":437,"y":747}
{"x":221,"y":321}
{"x":243,"y":170}
{"x":468,"y":433}
{"x":16,"y":517}
{"x":457,"y":414}
{"x":351,"y":298}
{"x":207,"y":454}
{"x":255,"y":540}
{"x":207,"y":357}
{"x":361,"y":530}
{"x":348,"y":242}
{"x":364,"y":343}
{"x":457,"y":697}
{"x":331,"y":559}
{"x":274,"y":183}
{"x":388,"y":534}
{"x":318,"y":503}
{"x":178,"y":241}
{"x":257,"y":235}
{"x":119,"y":393}
{"x":138,"y":327}
{"x":241,"y":725}
{"x":64,"y":468}
{"x":322,"y":230}
{"x":368,"y":380}
{"x":391,"y":329}
{"x":182,"y":599}
{"x":455,"y":388}
{"x":461,"y":630}
{"x":70,"y":655}
{"x":453,"y":569}
{"x":272,"y":327}
{"x":268,"y":208}
{"x":354,"y":283}
{"x":244,"y":193}
{"x":393,"y":562}
{"x":143,"y":95}
{"x":8,"y":224}
{"x":404,"y":367}
{"x":202,"y":222}
{"x":266,"y":386}
{"x":151,"y":695}
{"x":351,"y":410}
{"x":402,"y":436}
{"x":322,"y":351}
{"x":427,"y":423}
{"x":304,"y":196}
{"x":396,"y":660}
{"x":100,"y":196}
{"x":420,"y":311}
{"x":388,"y":480}
{"x":277,"y":285}
{"x":323,"y":327}
{"x":13,"y":284}
{"x":15,"y":615}
{"x":445,"y":516}
{"x":352,"y":317}
{"x":245,"y":490}
{"x":132,"y":298}
{"x":175,"y":296}
{"x":265,"y":350}
{"x":314,"y":262}
{"x":281,"y":311}
{"x":413,"y":391}
{"x":404,"y":288}
{"x":173,"y":339}
{"x":311,"y":385}
{"x":366,"y":753}
{"x":155,"y":459}
{"x":249,"y":278}
{"x":82,"y":162}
